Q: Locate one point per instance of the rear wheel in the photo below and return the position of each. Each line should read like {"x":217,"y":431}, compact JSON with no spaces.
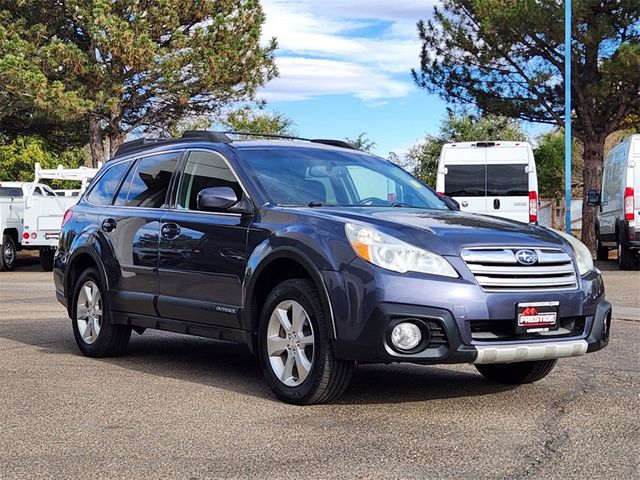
{"x":626,"y":256}
{"x":516,"y":373}
{"x":8,"y":254}
{"x":294,"y":348}
{"x":46,"y":258}
{"x":95,"y":335}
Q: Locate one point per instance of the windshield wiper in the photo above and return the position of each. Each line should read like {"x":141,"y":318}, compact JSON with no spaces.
{"x":314,"y":204}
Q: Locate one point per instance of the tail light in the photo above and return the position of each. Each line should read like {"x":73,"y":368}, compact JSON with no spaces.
{"x":67,"y":216}
{"x":533,"y":207}
{"x":628,"y":203}
{"x":25,"y":235}
{"x":440,"y":194}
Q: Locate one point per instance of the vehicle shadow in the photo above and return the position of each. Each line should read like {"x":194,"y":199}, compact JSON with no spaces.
{"x":230,"y":366}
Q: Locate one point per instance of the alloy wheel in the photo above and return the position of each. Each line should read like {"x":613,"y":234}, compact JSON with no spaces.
{"x":290,"y":343}
{"x":89,"y":312}
{"x":9,"y":253}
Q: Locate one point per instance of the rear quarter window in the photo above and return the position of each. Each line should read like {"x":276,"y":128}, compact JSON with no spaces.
{"x":105,"y":188}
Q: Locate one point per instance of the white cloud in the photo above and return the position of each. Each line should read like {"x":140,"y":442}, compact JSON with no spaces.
{"x":360,"y":48}
{"x":304,"y":78}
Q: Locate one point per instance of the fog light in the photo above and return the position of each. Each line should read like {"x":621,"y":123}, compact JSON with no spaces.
{"x":406,"y":336}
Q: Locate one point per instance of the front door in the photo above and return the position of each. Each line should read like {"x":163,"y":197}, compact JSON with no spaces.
{"x":202,"y":254}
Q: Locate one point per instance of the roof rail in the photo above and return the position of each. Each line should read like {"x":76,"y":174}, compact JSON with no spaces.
{"x":138,"y":144}
{"x":218,"y":137}
{"x":335,"y":143}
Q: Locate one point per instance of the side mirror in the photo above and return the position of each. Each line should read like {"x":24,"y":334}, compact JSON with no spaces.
{"x":216,"y":199}
{"x":450,"y":202}
{"x":593,"y":198}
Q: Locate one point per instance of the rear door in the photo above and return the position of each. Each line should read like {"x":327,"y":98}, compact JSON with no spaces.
{"x":132,"y":227}
{"x":465,"y":178}
{"x":508,"y":182}
{"x":202,"y":254}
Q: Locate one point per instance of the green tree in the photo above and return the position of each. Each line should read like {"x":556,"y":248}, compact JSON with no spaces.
{"x":423,"y":157}
{"x":362,"y":142}
{"x":258,"y":120}
{"x":19,"y":155}
{"x":130,"y":65}
{"x":549,"y":155}
{"x":506,"y":58}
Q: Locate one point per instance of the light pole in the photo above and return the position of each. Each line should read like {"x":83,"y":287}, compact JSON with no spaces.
{"x":567,"y":114}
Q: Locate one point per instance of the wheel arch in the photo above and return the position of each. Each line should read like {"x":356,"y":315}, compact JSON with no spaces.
{"x":13,"y":232}
{"x":82,"y":259}
{"x":281,"y":264}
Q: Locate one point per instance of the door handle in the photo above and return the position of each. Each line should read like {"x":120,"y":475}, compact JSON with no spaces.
{"x":170,"y":231}
{"x":496,"y":204}
{"x":109,"y":225}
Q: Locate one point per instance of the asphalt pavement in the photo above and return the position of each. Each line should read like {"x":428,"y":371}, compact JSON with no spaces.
{"x":184,"y":407}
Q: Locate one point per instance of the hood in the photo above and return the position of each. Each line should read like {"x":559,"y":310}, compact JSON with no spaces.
{"x":443,"y":231}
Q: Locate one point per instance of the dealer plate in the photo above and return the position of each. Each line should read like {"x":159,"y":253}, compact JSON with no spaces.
{"x":536,"y":317}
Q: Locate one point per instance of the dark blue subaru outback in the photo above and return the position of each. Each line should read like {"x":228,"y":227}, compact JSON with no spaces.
{"x":317,"y":256}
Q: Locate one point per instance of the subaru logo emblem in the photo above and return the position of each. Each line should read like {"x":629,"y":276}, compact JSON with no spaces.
{"x":526,"y":257}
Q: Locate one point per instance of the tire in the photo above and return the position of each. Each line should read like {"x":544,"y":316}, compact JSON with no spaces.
{"x":46,"y":258}
{"x":626,"y":256}
{"x":516,"y":373}
{"x":284,"y":352}
{"x":602,"y":252}
{"x":107,"y":340}
{"x":8,"y":253}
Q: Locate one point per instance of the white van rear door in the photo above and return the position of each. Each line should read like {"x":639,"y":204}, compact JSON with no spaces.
{"x":465,"y":178}
{"x":508,"y":182}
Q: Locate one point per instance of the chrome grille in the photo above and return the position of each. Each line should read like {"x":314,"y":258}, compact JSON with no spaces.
{"x":496,"y":269}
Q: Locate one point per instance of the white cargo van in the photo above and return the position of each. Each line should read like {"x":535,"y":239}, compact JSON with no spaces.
{"x":618,"y":224}
{"x":493,"y":178}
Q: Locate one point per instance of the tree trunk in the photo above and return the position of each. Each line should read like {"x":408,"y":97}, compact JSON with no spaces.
{"x":115,"y":140}
{"x":592,"y":178}
{"x":96,"y":142}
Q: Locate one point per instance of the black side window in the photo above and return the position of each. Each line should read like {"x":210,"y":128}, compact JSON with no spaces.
{"x":507,"y":180}
{"x":204,"y":170}
{"x":148,"y":182}
{"x":104,"y":189}
{"x":465,"y":181}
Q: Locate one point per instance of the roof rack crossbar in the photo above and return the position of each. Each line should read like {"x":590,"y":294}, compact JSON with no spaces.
{"x":217,"y":137}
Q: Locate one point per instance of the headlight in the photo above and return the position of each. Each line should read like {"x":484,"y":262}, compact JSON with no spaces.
{"x":581,"y":252}
{"x":388,"y":252}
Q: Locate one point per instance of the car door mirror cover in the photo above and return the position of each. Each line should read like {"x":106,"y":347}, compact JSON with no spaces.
{"x":216,"y":199}
{"x":593,"y":198}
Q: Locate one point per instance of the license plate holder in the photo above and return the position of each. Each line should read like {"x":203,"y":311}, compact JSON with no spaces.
{"x":534,"y":317}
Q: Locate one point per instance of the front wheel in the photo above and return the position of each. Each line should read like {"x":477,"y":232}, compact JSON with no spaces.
{"x":602,"y":252}
{"x":294,"y":349}
{"x":516,"y":373}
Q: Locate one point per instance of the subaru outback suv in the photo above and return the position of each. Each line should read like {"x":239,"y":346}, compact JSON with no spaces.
{"x":317,"y":256}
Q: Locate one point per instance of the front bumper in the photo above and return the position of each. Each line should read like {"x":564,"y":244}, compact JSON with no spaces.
{"x":373,"y":345}
{"x":456,"y":310}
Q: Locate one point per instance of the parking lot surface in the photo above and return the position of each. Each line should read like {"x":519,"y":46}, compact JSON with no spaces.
{"x":185,"y":407}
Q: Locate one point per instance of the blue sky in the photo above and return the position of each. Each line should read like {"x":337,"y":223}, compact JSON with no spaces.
{"x":345,"y":69}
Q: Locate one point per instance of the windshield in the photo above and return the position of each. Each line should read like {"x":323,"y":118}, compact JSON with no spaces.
{"x":313,"y":177}
{"x":10,"y":192}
